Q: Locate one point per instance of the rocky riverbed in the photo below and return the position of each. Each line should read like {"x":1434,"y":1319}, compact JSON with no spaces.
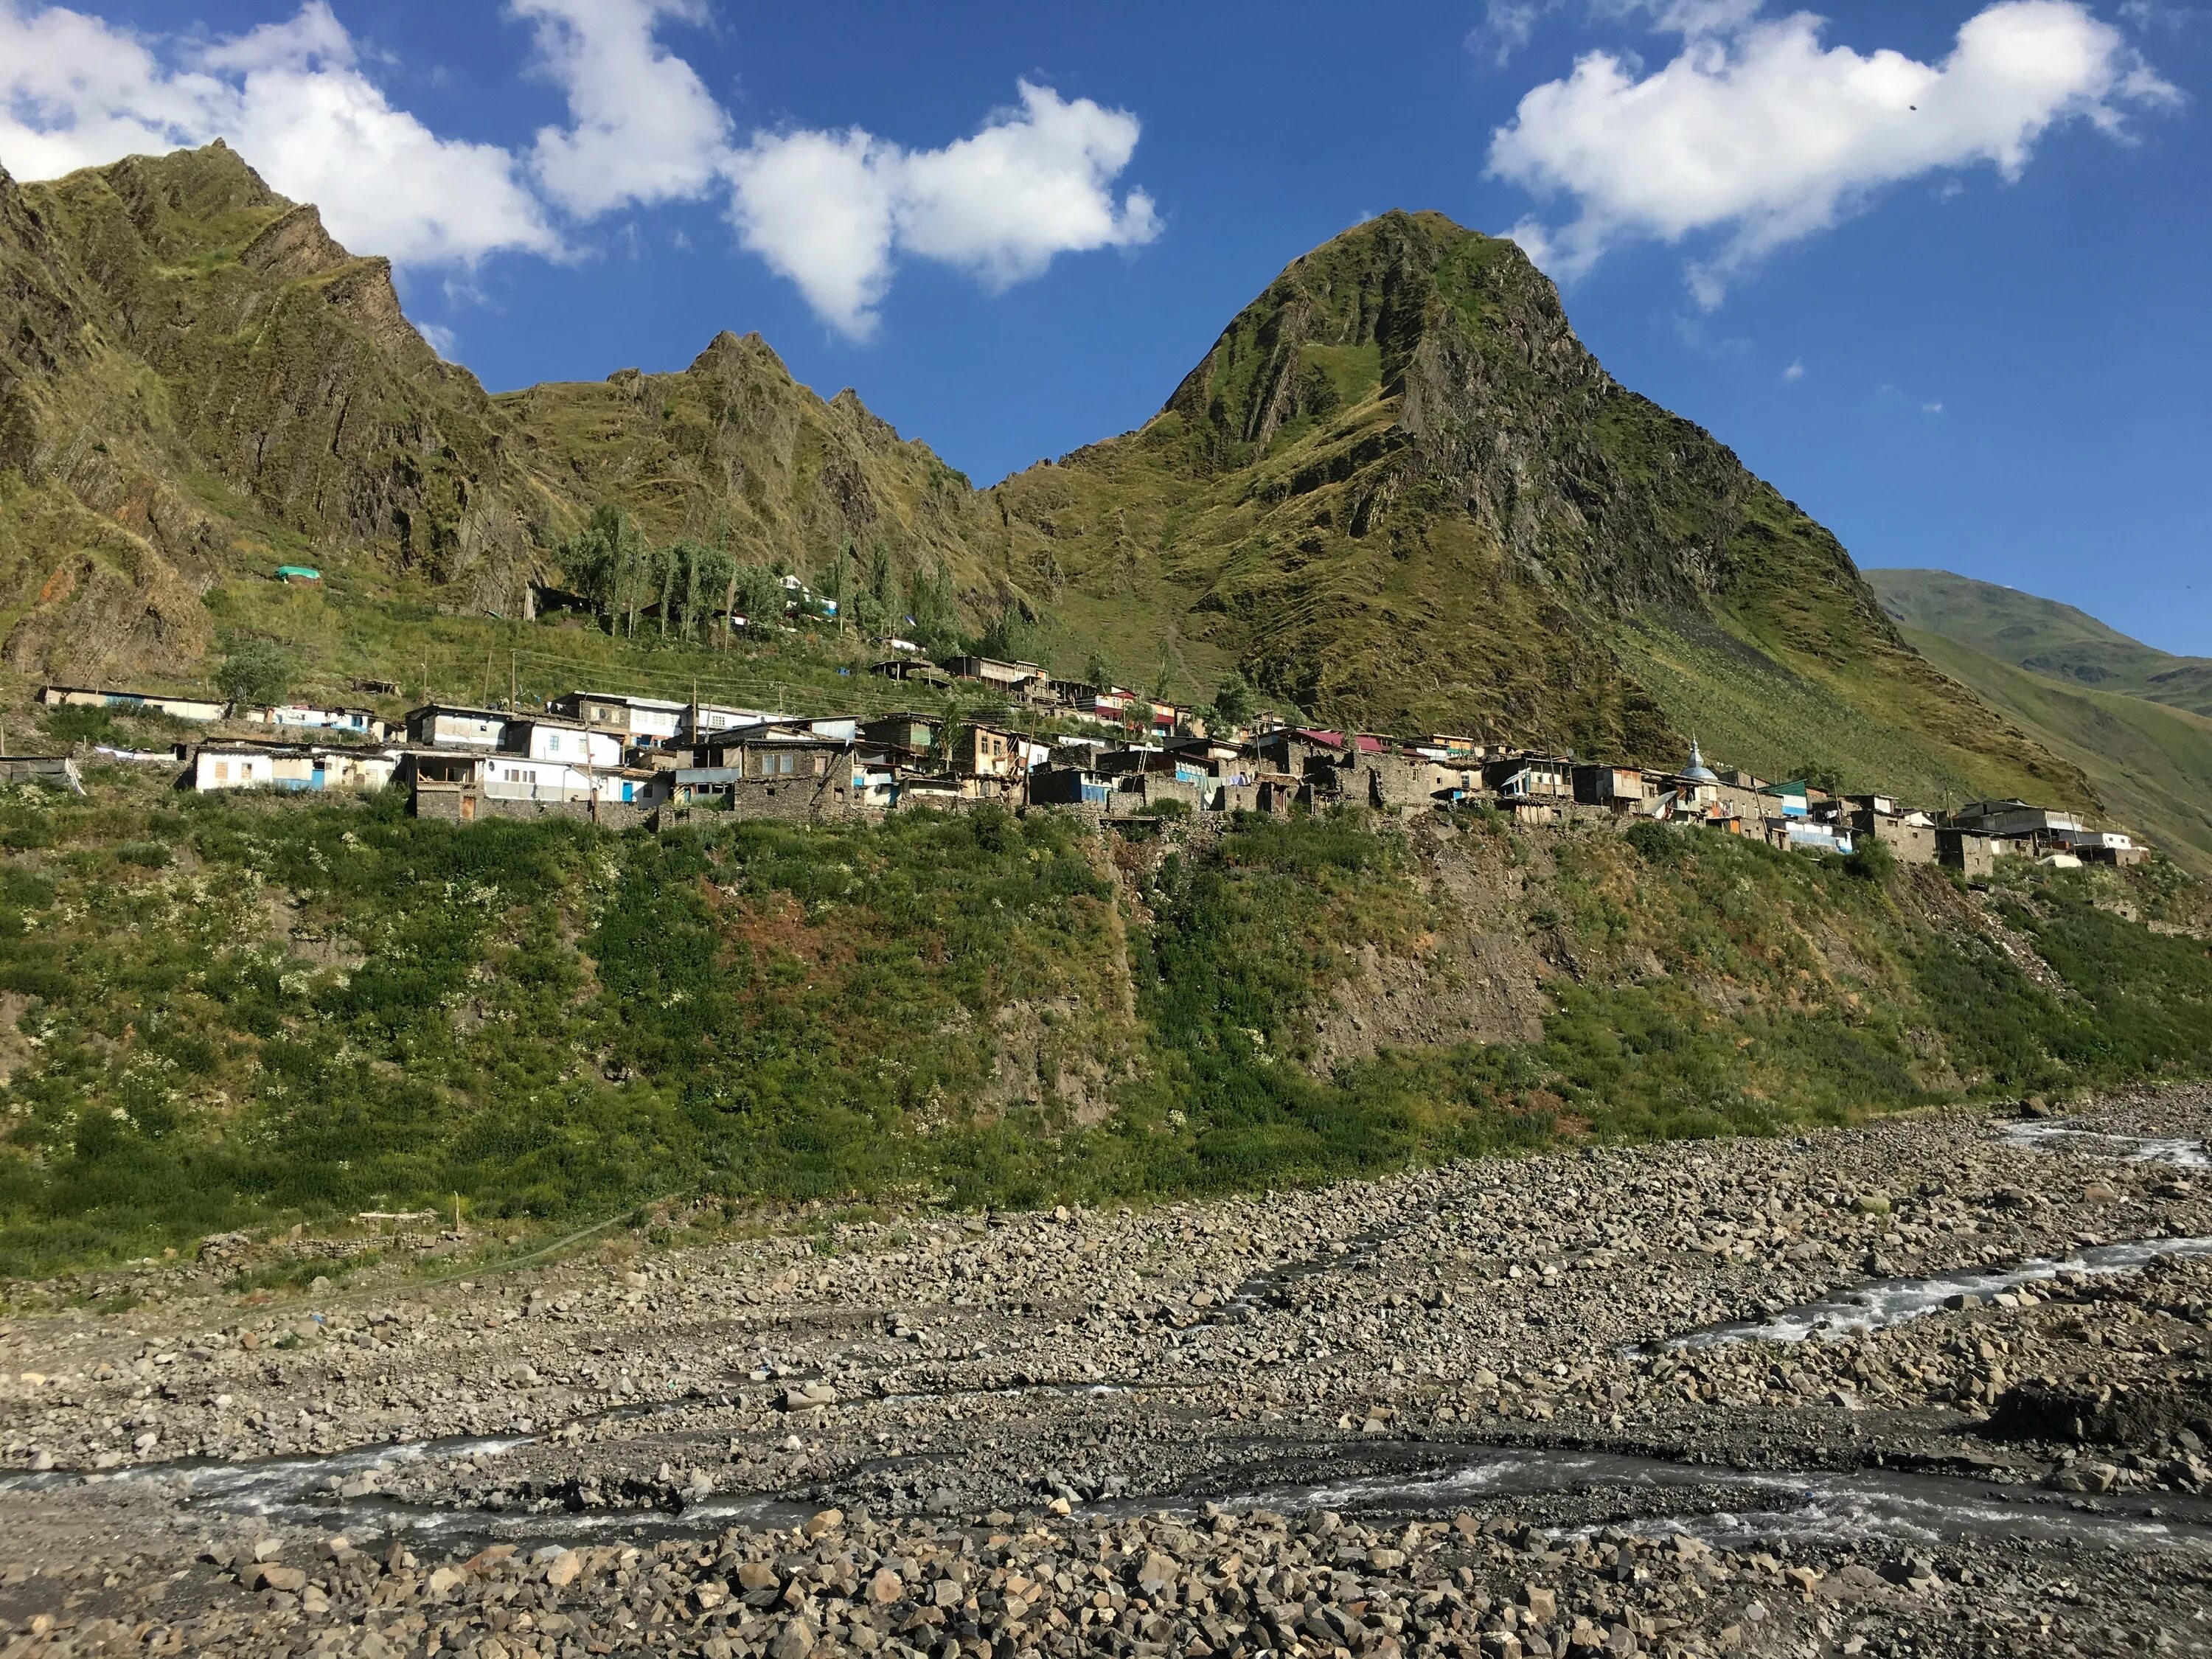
{"x":1939,"y":1385}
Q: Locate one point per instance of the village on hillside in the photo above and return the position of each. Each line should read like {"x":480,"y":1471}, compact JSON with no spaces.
{"x":630,"y":762}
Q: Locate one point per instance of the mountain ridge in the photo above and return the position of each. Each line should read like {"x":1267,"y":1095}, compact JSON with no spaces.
{"x":2045,"y":636}
{"x":1397,"y":491}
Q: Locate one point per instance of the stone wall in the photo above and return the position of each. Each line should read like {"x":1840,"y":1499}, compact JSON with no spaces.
{"x":443,"y":803}
{"x":1913,"y":843}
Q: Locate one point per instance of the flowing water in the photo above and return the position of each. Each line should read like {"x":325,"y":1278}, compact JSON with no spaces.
{"x":1814,"y":1506}
{"x":1891,"y":1301}
{"x":2043,"y":1136}
{"x":1722,"y":1506}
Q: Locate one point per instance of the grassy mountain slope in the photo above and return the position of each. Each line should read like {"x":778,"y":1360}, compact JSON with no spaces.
{"x":227,"y":1012}
{"x":2151,"y":764}
{"x":1398,"y":492}
{"x":2043,"y":636}
{"x":195,"y":382}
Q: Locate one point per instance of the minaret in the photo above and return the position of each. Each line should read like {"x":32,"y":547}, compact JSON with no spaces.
{"x":1697,"y":771}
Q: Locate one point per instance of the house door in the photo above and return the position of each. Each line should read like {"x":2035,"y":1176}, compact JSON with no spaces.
{"x":468,"y":808}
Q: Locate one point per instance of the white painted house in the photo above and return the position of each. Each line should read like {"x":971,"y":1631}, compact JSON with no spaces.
{"x":570,"y":742}
{"x":648,"y":722}
{"x":444,"y":725}
{"x":221,"y":766}
{"x":360,"y":720}
{"x":518,"y":777}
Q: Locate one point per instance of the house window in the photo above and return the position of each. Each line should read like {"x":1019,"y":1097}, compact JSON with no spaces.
{"x":222,"y":771}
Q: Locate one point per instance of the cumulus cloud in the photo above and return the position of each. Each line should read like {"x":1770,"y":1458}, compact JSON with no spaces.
{"x":817,"y":206}
{"x":833,"y":211}
{"x":1794,"y":371}
{"x":76,"y":91}
{"x":644,"y":127}
{"x":1757,"y":135}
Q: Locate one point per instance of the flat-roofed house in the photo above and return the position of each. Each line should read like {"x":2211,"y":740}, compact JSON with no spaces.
{"x":224,"y":766}
{"x":639,"y":722}
{"x":361,"y":722}
{"x":2013,"y":819}
{"x":452,"y":726}
{"x":133,"y":703}
{"x":1618,"y":788}
{"x":1531,"y":777}
{"x":1019,"y":679}
{"x":1962,"y":850}
{"x":565,"y":742}
{"x":986,"y":752}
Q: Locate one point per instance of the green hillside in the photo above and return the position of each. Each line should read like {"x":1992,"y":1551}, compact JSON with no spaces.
{"x":2041,"y":636}
{"x":225,"y":1012}
{"x":2152,"y":765}
{"x":1398,"y":492}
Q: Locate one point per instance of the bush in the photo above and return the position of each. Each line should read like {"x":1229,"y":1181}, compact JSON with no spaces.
{"x":255,"y":671}
{"x":1655,"y":843}
{"x":1871,"y":861}
{"x":73,"y":724}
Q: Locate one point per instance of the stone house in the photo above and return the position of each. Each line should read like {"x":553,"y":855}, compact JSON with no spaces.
{"x":1963,"y":850}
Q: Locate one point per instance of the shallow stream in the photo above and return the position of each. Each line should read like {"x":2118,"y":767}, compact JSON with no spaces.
{"x":1563,"y":1489}
{"x":1891,"y":1302}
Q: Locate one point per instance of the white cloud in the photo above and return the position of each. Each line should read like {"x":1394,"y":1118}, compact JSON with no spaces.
{"x":832,"y":211}
{"x":1031,"y":183}
{"x":1932,"y":409}
{"x":1757,"y":136}
{"x":443,"y":340}
{"x":1507,"y":26}
{"x":75,"y":91}
{"x":817,"y":206}
{"x":645,"y":128}
{"x":1794,"y":371}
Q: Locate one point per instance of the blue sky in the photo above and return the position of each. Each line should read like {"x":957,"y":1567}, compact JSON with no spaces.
{"x":1974,"y":336}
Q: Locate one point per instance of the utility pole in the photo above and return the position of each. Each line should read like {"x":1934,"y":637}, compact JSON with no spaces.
{"x":514,"y":682}
{"x":485,"y":702}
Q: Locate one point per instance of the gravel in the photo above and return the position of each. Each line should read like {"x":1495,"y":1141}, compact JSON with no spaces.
{"x":1446,"y":1412}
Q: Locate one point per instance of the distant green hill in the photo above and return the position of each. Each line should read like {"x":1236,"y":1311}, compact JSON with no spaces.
{"x":2041,"y":636}
{"x":2151,"y":765}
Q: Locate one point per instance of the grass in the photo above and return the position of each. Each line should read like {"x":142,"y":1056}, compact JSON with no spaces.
{"x":2046,"y":638}
{"x":239,"y":1011}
